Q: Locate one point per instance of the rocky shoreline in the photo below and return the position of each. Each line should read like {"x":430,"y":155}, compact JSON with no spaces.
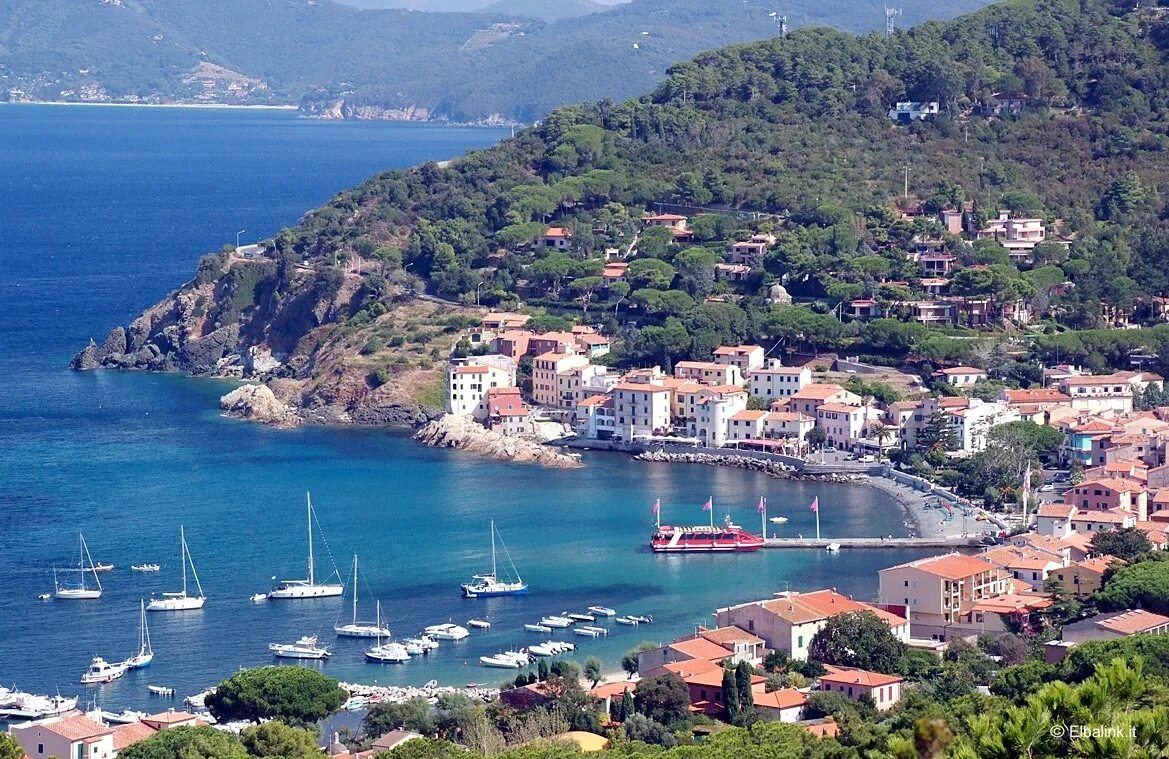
{"x":464,"y":434}
{"x":776,"y":469}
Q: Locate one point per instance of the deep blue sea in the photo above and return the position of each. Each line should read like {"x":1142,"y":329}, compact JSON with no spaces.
{"x":102,"y":212}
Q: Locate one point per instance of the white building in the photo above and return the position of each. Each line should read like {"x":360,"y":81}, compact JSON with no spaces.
{"x":467,"y":385}
{"x":972,"y":425}
{"x":717,"y":405}
{"x":709,"y":372}
{"x":776,"y":381}
{"x":642,"y":409}
{"x":596,"y":417}
{"x":746,"y":357}
{"x":842,"y":423}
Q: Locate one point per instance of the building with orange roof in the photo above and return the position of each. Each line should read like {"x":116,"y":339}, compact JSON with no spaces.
{"x":641,"y":409}
{"x":723,"y":644}
{"x":746,"y":424}
{"x":1109,"y":493}
{"x":751,"y":251}
{"x":843,"y":423}
{"x":811,"y":397}
{"x":715,"y":407}
{"x":1024,"y":563}
{"x":130,"y":733}
{"x":676,"y":223}
{"x":1092,"y":521}
{"x":782,"y":705}
{"x":609,"y":692}
{"x":545,"y":370}
{"x":1155,"y":533}
{"x":1100,"y":393}
{"x":1083,"y":578}
{"x":825,"y":727}
{"x":613,"y":272}
{"x":513,"y":343}
{"x":67,"y":736}
{"x":1079,"y":545}
{"x":709,"y":372}
{"x":1118,"y":624}
{"x":503,"y":320}
{"x":746,"y":357}
{"x":939,"y":590}
{"x":595,"y":417}
{"x":773,"y":380}
{"x":579,"y":380}
{"x":790,"y":620}
{"x":467,"y":384}
{"x":855,"y":684}
{"x":506,"y":412}
{"x":593,"y":345}
{"x":961,"y":376}
{"x":558,"y":238}
{"x":1047,"y":545}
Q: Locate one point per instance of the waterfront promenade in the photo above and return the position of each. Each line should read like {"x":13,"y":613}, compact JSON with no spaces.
{"x":925,"y":542}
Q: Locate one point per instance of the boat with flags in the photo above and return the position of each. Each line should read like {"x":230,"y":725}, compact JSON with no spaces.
{"x":727,"y":538}
{"x":488,"y":585}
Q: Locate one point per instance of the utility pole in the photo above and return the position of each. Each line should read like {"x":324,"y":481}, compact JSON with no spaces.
{"x":477,"y":292}
{"x":237,"y":234}
{"x":905,"y":191}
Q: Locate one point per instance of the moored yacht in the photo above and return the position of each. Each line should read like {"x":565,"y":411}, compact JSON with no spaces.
{"x":305,"y":648}
{"x":102,"y":671}
{"x":181,"y":601}
{"x":388,"y":652}
{"x":145,"y":653}
{"x":82,"y":591}
{"x":488,"y":585}
{"x":308,"y":587}
{"x":603,"y":611}
{"x":355,"y":629}
{"x":448,"y":631}
{"x":556,"y":621}
{"x":15,"y":704}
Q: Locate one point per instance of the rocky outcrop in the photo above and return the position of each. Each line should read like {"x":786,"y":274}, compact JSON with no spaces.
{"x":463,"y":433}
{"x":257,"y":403}
{"x":769,"y":467}
{"x":87,"y":358}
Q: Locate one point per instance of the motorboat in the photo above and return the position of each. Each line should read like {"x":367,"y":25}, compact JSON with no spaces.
{"x":161,"y":690}
{"x":103,"y":567}
{"x":501,"y":661}
{"x":641,"y":619}
{"x":259,"y":598}
{"x":538,"y":628}
{"x":425,"y":644}
{"x":447,"y":631}
{"x":551,"y":648}
{"x":355,"y":703}
{"x":625,"y":621}
{"x":479,"y":624}
{"x":124,"y":717}
{"x":45,"y":597}
{"x":556,"y":621}
{"x":102,"y":671}
{"x":591,"y":631}
{"x":181,"y":600}
{"x":581,"y":617}
{"x":304,"y":648}
{"x":488,"y":585}
{"x":414,"y":647}
{"x":602,"y":611}
{"x":778,"y":520}
{"x":199,"y":700}
{"x":145,"y":567}
{"x":355,"y":629}
{"x":145,"y":653}
{"x":308,"y":587}
{"x":82,"y":591}
{"x":388,"y":652}
{"x":15,"y":704}
{"x":832,"y":547}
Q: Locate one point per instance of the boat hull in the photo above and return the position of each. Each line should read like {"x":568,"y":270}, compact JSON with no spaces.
{"x":473,"y":592}
{"x":186,"y":603}
{"x":702,"y":539}
{"x":77,"y":594}
{"x":361,"y":631}
{"x":138,"y":662}
{"x":297,"y":592}
{"x":288,"y":653}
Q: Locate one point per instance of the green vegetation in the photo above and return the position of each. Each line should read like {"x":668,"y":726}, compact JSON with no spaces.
{"x":188,"y":743}
{"x":858,"y":639}
{"x":1143,"y":585}
{"x":295,"y":695}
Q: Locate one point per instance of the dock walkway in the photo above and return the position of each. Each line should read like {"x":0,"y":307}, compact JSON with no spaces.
{"x":953,"y":542}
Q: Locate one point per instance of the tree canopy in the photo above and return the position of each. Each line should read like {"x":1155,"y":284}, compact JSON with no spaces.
{"x":295,"y":695}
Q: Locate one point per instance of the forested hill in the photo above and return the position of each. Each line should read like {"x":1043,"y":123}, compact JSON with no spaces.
{"x":1051,"y":109}
{"x":341,"y":61}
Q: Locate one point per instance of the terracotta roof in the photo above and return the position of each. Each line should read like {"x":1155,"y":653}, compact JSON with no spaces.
{"x":593,"y":400}
{"x":1101,"y":517}
{"x":800,"y":608}
{"x":77,"y":728}
{"x":954,"y":401}
{"x":779,"y":370}
{"x":557,"y":232}
{"x":956,"y":370}
{"x":593,"y":339}
{"x":169,"y":718}
{"x":713,"y":678}
{"x":860,"y":677}
{"x":663,"y":217}
{"x":129,"y":734}
{"x":817,"y":391}
{"x":639,"y":387}
{"x":821,"y":728}
{"x":1036,"y":395}
{"x":722,"y":389}
{"x":700,"y":648}
{"x":688,"y":668}
{"x":1112,"y":483}
{"x":730,"y":635}
{"x":1098,"y":379}
{"x":1015,"y":557}
{"x":1081,"y":541}
{"x":615,"y":688}
{"x":748,"y":415}
{"x":840,"y":408}
{"x":1011,"y":602}
{"x":1133,"y":621}
{"x":470,"y":370}
{"x":784,"y":698}
{"x":1097,"y":564}
{"x":951,"y":566}
{"x":789,"y":416}
{"x":711,"y":365}
{"x":735,"y":350}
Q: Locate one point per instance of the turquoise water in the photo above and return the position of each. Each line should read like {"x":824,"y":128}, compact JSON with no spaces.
{"x":102,"y":211}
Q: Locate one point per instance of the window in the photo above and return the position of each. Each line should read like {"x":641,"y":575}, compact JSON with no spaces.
{"x":800,"y":641}
{"x":40,"y":748}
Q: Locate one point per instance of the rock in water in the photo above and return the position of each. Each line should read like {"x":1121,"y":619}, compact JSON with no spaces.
{"x":258,"y":403}
{"x":465,"y":434}
{"x":87,"y":359}
{"x":115,"y":344}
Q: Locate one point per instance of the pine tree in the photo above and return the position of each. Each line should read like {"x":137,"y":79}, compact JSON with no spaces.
{"x":626,"y":705}
{"x":743,"y":674}
{"x":730,"y":695}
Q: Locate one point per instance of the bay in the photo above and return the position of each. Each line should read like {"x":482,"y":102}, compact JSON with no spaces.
{"x":103,"y":211}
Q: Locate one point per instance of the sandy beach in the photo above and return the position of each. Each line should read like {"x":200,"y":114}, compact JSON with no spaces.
{"x":928,"y":522}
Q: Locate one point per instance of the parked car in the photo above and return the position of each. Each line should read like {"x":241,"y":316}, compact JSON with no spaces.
{"x":1048,"y":488}
{"x":868,"y":459}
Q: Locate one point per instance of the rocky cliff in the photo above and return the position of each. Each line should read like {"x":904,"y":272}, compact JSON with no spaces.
{"x":463,"y":433}
{"x":329,"y":345}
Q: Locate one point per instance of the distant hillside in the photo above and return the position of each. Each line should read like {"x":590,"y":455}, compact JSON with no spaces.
{"x":549,"y":11}
{"x":344,"y":62}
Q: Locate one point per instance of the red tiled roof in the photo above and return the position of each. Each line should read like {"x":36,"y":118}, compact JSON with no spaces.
{"x":558,"y":232}
{"x":817,"y":391}
{"x":1132,"y":622}
{"x":784,"y":698}
{"x":748,"y":415}
{"x":129,"y":734}
{"x":700,"y":648}
{"x":952,"y":566}
{"x":957,"y":370}
{"x":731,"y":635}
{"x":470,"y":370}
{"x":860,"y":677}
{"x":77,"y":728}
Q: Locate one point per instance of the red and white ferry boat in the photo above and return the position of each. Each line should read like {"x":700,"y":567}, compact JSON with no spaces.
{"x":704,"y":538}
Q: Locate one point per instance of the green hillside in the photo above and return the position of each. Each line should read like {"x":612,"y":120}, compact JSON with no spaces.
{"x":346,"y":61}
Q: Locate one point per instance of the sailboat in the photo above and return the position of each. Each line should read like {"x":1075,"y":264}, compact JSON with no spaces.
{"x":388,"y":651}
{"x":145,"y":653}
{"x":307,"y":588}
{"x":181,"y":601}
{"x":357,"y":629}
{"x":84,"y":567}
{"x":485,"y":586}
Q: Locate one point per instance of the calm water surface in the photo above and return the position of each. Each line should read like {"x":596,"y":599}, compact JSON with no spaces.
{"x":102,"y":212}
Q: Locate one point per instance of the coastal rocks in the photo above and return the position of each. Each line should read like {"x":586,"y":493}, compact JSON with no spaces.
{"x":115,"y":343}
{"x":390,"y":415}
{"x":463,"y":433}
{"x":769,"y":467}
{"x":204,"y":355}
{"x":87,"y":358}
{"x":257,"y":403}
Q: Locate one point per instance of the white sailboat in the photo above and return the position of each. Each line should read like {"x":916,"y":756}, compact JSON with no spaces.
{"x":485,"y":586}
{"x":357,"y":629}
{"x":145,"y":653}
{"x":308,"y":587}
{"x":388,"y":651}
{"x":85,"y":567}
{"x":180,"y":601}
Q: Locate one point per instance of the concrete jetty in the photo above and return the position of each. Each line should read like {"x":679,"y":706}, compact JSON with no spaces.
{"x":952,"y":542}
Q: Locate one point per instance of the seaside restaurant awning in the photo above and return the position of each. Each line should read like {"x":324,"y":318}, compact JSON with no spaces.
{"x":779,"y":445}
{"x":667,"y":440}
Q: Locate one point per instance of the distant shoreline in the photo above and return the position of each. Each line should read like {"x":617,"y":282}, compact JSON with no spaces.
{"x":208,"y":106}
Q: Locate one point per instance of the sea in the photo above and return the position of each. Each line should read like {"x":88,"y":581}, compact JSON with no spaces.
{"x":103,"y":211}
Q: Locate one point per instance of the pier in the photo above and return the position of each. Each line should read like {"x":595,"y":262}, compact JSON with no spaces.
{"x":953,"y":542}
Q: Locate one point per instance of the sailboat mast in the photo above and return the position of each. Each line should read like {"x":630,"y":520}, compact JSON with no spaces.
{"x":354,"y":588}
{"x":183,"y":556}
{"x":493,"y":574}
{"x":86,"y":557}
{"x":308,"y":497}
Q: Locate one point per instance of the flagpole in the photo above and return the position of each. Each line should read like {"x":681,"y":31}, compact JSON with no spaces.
{"x":711,"y":502}
{"x":817,"y":519}
{"x":763,"y":514}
